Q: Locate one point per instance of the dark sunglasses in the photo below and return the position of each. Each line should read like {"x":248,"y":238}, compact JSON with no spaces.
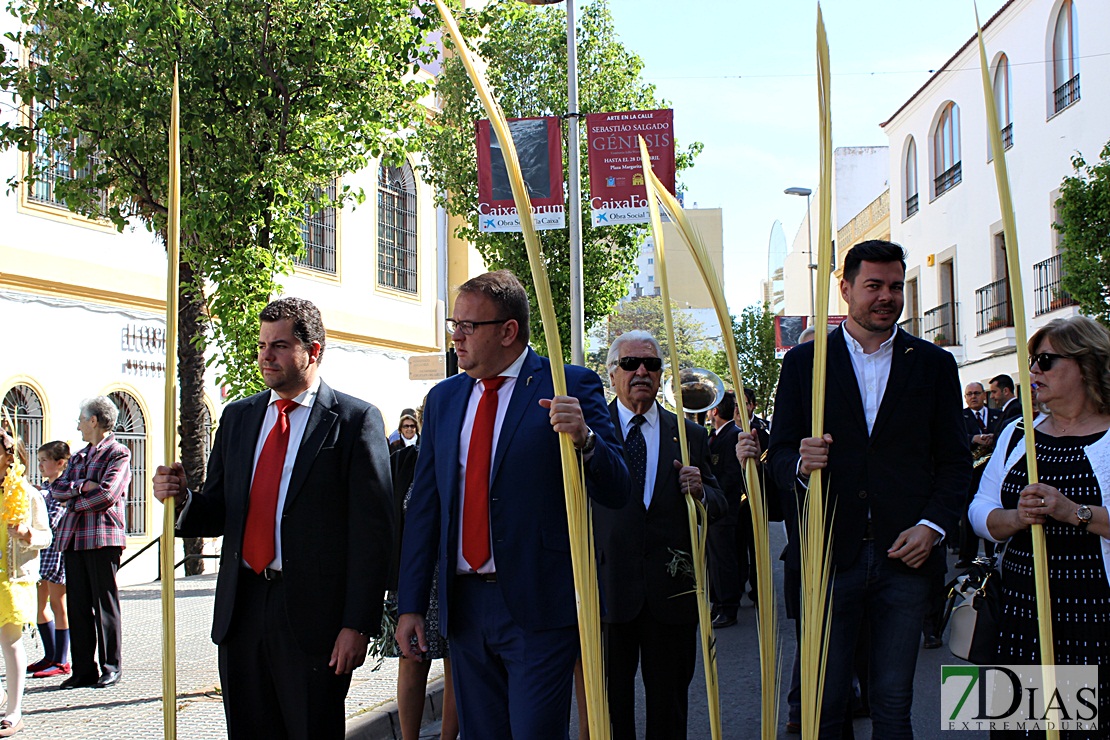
{"x":1045,"y":360}
{"x":631,"y":364}
{"x":408,"y":426}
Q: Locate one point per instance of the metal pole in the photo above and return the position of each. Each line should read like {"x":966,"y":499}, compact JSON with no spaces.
{"x":812,"y":265}
{"x":577,"y":313}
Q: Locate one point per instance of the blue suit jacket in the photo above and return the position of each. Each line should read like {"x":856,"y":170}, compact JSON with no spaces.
{"x":528,"y":519}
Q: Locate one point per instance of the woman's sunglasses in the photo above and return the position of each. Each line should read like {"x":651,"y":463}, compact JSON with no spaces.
{"x":1045,"y":360}
{"x":631,"y":364}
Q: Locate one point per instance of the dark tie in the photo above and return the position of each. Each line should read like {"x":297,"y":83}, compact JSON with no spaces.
{"x":979,"y":418}
{"x":476,"y":501}
{"x":258,"y":537}
{"x":636,"y":448}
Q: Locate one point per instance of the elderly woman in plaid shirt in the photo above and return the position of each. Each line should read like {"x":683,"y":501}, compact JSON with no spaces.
{"x":91,"y":536}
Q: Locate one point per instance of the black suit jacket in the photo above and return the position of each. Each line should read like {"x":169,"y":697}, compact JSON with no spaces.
{"x":914,"y":465}
{"x":1009,"y":412}
{"x":727,"y":470}
{"x":337,"y":523}
{"x":635,"y":544}
{"x":971,"y":428}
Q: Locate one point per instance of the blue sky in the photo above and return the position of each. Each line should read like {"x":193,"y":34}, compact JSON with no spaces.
{"x":741,"y":77}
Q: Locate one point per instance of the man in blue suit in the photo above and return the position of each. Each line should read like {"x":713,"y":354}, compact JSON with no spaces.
{"x":488,"y":505}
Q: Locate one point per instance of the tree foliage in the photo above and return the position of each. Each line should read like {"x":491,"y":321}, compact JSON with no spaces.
{"x":646,"y":313}
{"x":754,"y":332}
{"x":1084,"y":226}
{"x":277,"y":98}
{"x":527,"y":55}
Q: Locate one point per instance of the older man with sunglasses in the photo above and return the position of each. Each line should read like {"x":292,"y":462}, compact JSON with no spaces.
{"x":643,"y":548}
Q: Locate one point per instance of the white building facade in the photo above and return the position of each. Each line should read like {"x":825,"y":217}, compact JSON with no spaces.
{"x":1050,"y":75}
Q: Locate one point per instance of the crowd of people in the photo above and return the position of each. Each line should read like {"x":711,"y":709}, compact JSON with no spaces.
{"x":459,"y":516}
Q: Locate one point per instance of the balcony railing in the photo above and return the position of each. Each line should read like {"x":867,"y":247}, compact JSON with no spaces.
{"x":1008,"y":135}
{"x":992,"y":307}
{"x":911,"y":326}
{"x":1048,"y":290}
{"x":940,"y":325}
{"x":1067,"y":93}
{"x":948,"y":179}
{"x":911,"y":205}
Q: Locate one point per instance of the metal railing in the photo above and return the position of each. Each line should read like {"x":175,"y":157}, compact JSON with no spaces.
{"x":1008,"y":135}
{"x":911,"y":205}
{"x":1067,"y":93}
{"x":992,"y":307}
{"x":157,"y":543}
{"x":1048,"y":291}
{"x":948,"y":179}
{"x":318,"y":232}
{"x":911,"y":326}
{"x":940,"y":325}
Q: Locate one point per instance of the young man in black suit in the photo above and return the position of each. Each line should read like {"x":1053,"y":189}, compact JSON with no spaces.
{"x":298,"y":485}
{"x":726,"y":579}
{"x":895,"y":467}
{"x":651,"y":617}
{"x":1004,"y":395}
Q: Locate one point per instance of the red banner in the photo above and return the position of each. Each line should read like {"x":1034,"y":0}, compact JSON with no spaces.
{"x":789,"y":328}
{"x":539,"y":147}
{"x":617,"y":191}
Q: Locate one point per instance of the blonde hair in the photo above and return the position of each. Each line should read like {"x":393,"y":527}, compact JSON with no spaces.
{"x":1088,"y":342}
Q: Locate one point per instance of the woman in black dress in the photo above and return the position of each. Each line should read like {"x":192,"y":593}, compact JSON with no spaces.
{"x":1070,"y":368}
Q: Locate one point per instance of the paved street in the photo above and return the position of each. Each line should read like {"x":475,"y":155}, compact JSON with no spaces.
{"x":132,"y":710}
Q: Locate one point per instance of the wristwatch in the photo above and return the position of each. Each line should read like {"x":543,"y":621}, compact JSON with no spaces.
{"x":1083,"y":514}
{"x":591,"y":441}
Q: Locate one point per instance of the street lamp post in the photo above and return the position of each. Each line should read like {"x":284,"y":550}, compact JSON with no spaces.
{"x":577,"y":311}
{"x":809,"y":240}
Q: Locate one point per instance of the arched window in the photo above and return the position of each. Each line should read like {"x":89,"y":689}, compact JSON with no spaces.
{"x":318,"y":232}
{"x":947,"y":172}
{"x":1065,"y":56}
{"x":909,"y":179}
{"x":1002,"y":102}
{"x":23,"y":406}
{"x":397,"y":266}
{"x":131,"y":433}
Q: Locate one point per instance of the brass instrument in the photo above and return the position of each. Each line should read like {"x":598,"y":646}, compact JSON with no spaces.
{"x":701,"y":390}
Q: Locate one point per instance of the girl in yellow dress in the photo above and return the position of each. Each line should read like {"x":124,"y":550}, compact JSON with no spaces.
{"x":23,"y":510}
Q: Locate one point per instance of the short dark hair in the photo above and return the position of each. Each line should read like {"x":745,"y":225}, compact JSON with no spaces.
{"x":1004,"y":382}
{"x":56,"y":450}
{"x":308,"y":325}
{"x":726,"y":409}
{"x":872,"y":250}
{"x":749,"y":393}
{"x":507,"y":293}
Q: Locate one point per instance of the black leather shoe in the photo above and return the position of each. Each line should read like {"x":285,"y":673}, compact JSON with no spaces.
{"x":723,"y":620}
{"x":78,"y":682}
{"x":109,"y":678}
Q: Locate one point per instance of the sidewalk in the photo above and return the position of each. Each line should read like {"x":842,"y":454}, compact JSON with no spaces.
{"x":132,"y":710}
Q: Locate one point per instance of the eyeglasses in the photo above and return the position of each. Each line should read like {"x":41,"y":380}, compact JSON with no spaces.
{"x":468,"y":327}
{"x":974,"y":393}
{"x":1045,"y":360}
{"x":631,"y":364}
{"x":408,"y":426}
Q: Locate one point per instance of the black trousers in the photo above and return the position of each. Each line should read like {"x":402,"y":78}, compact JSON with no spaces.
{"x":666,"y":654}
{"x":745,"y":549}
{"x":271,"y":688}
{"x":94,"y":618}
{"x":725,"y":588}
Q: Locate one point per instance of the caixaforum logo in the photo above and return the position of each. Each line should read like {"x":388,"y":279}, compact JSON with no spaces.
{"x":1016,"y":697}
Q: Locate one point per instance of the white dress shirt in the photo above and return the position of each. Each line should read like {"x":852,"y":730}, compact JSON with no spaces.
{"x":504,"y":394}
{"x":651,"y":430}
{"x":298,"y":420}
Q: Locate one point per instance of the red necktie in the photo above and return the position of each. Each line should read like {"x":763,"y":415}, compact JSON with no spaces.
{"x":475,"y":546}
{"x":982,"y":424}
{"x":258,"y":538}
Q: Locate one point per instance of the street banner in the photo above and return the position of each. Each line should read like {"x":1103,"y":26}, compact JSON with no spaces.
{"x":789,"y":328}
{"x":539,"y":144}
{"x":617,"y":191}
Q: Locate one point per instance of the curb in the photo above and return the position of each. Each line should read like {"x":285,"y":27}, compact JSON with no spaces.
{"x":381,"y":723}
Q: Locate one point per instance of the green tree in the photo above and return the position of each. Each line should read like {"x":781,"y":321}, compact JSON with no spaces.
{"x":1084,"y":226}
{"x":646,"y":313}
{"x":278,"y":97}
{"x":754,"y":333}
{"x":526,"y":50}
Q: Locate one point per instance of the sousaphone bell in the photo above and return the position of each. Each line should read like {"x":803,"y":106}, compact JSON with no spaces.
{"x":701,"y":389}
